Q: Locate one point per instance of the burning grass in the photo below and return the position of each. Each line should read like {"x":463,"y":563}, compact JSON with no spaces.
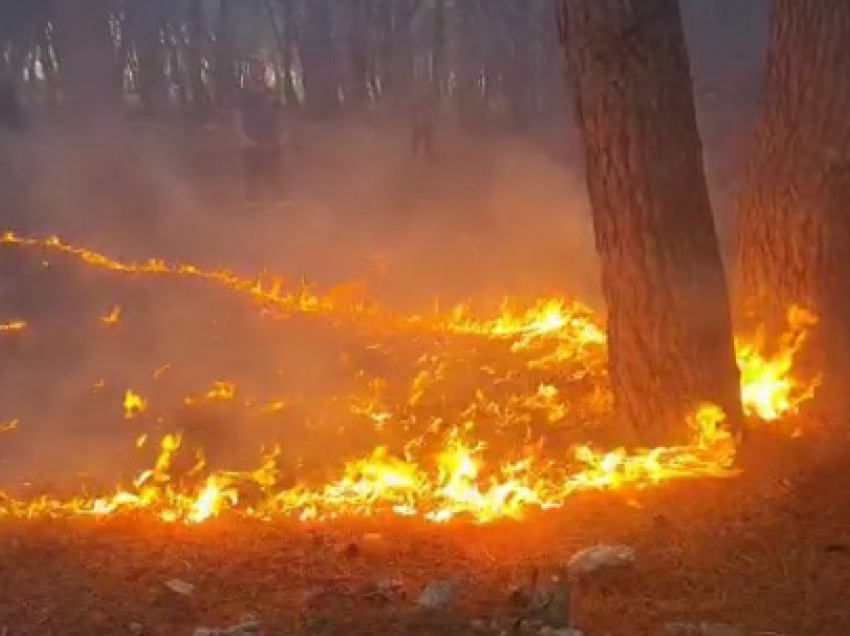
{"x":469,"y":416}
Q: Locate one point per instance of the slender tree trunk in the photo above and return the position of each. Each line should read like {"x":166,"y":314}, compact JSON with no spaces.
{"x":794,"y":227}
{"x":670,"y":337}
{"x":89,"y":74}
{"x":439,"y":71}
{"x":289,"y":37}
{"x":318,"y":57}
{"x":197,"y":42}
{"x":357,"y":53}
{"x":225,"y":76}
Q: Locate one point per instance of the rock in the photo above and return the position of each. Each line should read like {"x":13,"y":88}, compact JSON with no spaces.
{"x":558,"y":609}
{"x":701,"y":629}
{"x":250,"y":627}
{"x":551,"y":631}
{"x":601,"y":557}
{"x":386,"y":590}
{"x":180,"y":587}
{"x":439,"y":594}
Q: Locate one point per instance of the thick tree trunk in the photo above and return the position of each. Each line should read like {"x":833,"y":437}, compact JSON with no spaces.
{"x":794,"y":227}
{"x":670,"y":337}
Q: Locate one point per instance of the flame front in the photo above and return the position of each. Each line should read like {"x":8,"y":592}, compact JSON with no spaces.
{"x":449,"y":468}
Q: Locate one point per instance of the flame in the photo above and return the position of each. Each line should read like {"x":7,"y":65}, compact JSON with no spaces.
{"x":15,"y":325}
{"x":112,"y":317}
{"x":448,"y":469}
{"x":134,"y":404}
{"x":769,"y":389}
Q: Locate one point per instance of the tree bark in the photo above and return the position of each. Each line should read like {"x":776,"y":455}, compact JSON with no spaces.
{"x":794,"y":227}
{"x":669,"y":326}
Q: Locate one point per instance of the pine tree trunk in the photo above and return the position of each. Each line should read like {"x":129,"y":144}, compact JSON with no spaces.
{"x":318,"y":57}
{"x":89,"y":73}
{"x":794,"y":226}
{"x":197,"y":41}
{"x":225,"y":75}
{"x":670,"y":337}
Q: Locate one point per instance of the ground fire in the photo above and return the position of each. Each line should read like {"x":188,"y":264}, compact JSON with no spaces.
{"x":544,"y":363}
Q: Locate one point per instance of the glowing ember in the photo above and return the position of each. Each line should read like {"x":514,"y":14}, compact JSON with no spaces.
{"x":13,"y":326}
{"x":112,"y":317}
{"x":446,"y":470}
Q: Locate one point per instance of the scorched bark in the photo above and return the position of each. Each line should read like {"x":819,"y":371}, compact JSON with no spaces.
{"x":794,"y":223}
{"x":670,"y":336}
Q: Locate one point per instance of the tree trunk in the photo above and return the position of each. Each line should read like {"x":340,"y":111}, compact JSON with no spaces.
{"x":89,"y":74}
{"x":669,"y":327}
{"x":289,"y":37}
{"x":318,"y":57}
{"x":438,"y":66}
{"x":197,"y":45}
{"x":794,"y":229}
{"x":225,"y":76}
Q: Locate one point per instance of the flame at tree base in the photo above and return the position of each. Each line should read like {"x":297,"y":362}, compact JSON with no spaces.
{"x":453,"y":481}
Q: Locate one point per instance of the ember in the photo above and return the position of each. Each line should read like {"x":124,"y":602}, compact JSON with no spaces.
{"x":450,"y":470}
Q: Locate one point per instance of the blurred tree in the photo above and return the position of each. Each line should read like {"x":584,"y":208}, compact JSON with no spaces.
{"x":670,"y":337}
{"x":90,"y":74}
{"x":318,"y":59}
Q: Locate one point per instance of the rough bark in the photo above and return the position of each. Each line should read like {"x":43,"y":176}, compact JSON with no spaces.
{"x":670,"y":336}
{"x":794,"y":226}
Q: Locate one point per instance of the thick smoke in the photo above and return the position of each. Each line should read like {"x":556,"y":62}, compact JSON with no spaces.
{"x":493,"y":216}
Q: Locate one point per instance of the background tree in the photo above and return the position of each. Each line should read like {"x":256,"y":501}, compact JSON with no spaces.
{"x":794,"y":221}
{"x":90,"y":79}
{"x":670,"y":337}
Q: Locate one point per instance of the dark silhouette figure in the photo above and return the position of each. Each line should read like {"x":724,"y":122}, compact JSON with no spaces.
{"x":423,"y":116}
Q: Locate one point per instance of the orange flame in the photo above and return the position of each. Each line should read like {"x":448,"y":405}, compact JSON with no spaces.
{"x":460,"y":479}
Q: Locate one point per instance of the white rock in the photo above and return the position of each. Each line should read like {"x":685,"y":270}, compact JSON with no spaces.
{"x":601,"y":557}
{"x":180,"y":587}
{"x":248,"y":628}
{"x":438,"y":594}
{"x":702,"y":629}
{"x":551,"y":631}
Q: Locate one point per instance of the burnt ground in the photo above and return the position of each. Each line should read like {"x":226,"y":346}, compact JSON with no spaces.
{"x":768,"y":551}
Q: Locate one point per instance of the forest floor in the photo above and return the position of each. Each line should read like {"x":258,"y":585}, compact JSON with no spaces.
{"x":767,"y":552}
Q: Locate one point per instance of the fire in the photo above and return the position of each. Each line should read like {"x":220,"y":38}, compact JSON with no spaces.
{"x":769,"y":389}
{"x":449,"y":468}
{"x":134,"y":404}
{"x":112,"y":317}
{"x":13,"y":326}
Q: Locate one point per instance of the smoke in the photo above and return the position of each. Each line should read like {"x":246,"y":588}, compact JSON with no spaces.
{"x":493,"y":216}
